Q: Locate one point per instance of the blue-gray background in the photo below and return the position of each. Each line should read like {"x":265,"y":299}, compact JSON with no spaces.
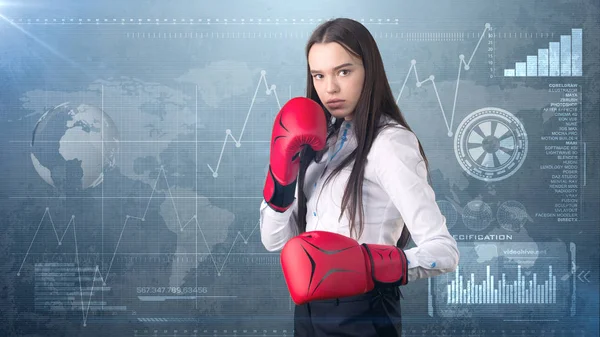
{"x":142,"y":220}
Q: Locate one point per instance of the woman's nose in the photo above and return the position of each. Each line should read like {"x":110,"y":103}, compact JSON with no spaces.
{"x":332,"y":85}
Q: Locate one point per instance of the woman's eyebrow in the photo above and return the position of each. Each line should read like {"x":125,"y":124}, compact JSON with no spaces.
{"x":312,"y":71}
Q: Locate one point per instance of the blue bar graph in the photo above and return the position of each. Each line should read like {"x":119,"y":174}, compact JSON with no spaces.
{"x":532,"y":63}
{"x":521,"y":69}
{"x":561,"y":59}
{"x":490,"y":291}
{"x":542,"y":62}
{"x":565,"y":55}
{"x":508,"y":280}
{"x":554,"y":57}
{"x":576,"y":52}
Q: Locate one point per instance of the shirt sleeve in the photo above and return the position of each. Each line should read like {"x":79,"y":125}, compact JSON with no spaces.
{"x":401,"y":172}
{"x":276,"y":228}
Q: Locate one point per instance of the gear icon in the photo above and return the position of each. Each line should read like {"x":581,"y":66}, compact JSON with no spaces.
{"x":490,"y":144}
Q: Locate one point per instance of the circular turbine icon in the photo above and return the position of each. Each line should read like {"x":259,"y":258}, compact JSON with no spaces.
{"x":490,"y":144}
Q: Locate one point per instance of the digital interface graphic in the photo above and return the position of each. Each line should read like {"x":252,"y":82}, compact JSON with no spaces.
{"x":135,"y":143}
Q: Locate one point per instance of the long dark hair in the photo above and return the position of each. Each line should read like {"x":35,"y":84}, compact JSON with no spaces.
{"x":376,"y":99}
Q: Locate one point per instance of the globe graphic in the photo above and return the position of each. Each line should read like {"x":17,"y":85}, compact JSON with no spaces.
{"x":449,"y":212}
{"x":477,"y":215}
{"x":73,"y":145}
{"x":512,"y":215}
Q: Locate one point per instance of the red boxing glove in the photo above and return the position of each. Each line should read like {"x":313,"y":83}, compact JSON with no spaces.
{"x":321,"y":265}
{"x":301,"y":121}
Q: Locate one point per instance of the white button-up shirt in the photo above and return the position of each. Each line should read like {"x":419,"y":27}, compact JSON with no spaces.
{"x":395,"y":194}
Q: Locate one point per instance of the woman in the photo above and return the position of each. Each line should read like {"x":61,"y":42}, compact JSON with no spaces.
{"x":368,"y":181}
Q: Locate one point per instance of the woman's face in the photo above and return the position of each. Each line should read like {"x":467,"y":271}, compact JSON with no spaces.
{"x":337,"y":76}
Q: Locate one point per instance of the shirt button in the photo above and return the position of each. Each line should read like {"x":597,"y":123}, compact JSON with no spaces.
{"x":314,"y":213}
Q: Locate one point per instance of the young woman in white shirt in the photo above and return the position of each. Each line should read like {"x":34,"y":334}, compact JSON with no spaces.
{"x":346,"y":189}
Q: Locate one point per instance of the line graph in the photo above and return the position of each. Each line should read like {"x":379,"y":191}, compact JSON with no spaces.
{"x":269,"y":90}
{"x":431,"y":78}
{"x":413,"y":68}
{"x":98,"y":274}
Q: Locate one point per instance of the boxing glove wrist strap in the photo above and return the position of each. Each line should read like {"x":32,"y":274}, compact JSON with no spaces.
{"x":281,"y":196}
{"x":389,"y":266}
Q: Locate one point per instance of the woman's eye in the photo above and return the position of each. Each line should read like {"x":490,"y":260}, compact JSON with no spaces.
{"x":317,"y":76}
{"x":344,"y":72}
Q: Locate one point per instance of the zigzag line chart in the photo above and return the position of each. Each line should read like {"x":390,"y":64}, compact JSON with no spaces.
{"x":419,"y":83}
{"x":269,"y":90}
{"x":490,"y":143}
{"x":98,"y":274}
{"x":449,"y":121}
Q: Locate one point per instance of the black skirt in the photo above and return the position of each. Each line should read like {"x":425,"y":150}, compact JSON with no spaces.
{"x":376,"y":313}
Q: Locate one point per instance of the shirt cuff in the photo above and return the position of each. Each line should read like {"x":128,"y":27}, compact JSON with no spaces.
{"x":411,"y":258}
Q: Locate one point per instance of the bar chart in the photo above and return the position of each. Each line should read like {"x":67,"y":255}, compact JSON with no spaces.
{"x":562,"y":58}
{"x":509,"y":280}
{"x":520,"y":290}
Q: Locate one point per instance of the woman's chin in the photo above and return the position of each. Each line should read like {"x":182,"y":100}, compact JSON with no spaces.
{"x":339,"y":113}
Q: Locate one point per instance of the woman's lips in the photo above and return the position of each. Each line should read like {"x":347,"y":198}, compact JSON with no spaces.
{"x":337,"y":104}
